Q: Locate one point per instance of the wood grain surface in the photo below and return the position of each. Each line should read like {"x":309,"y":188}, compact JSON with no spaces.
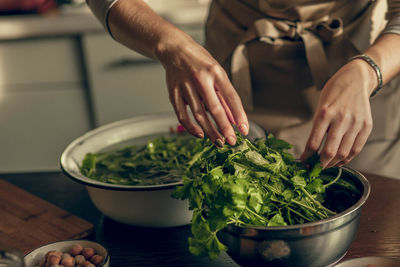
{"x":379,"y":232}
{"x":129,"y":246}
{"x":27,"y":221}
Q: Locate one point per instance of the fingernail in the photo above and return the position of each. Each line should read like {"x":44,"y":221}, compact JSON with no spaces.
{"x":231,"y":140}
{"x":219,"y":143}
{"x":243,"y":128}
{"x":200,"y":135}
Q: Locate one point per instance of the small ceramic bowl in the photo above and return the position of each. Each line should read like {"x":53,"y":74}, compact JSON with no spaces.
{"x":35,"y":257}
{"x":370,"y":261}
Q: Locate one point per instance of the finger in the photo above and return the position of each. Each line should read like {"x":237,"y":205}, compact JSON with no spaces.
{"x":314,"y":142}
{"x":232,"y":138}
{"x":216,"y":109}
{"x":358,"y":145}
{"x":344,"y":148}
{"x":334,"y":137}
{"x":183,"y":117}
{"x":233,"y":102}
{"x":226,"y":108}
{"x":198,"y":110}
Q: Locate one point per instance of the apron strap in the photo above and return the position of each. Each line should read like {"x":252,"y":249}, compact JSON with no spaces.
{"x":240,"y":70}
{"x":313,"y":34}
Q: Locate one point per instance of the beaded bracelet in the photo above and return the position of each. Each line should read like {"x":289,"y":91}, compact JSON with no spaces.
{"x":376,"y":69}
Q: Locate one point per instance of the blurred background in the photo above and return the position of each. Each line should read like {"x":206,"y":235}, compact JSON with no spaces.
{"x":61,"y":75}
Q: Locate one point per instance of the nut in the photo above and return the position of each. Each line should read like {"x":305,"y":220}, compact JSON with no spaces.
{"x":88,"y":252}
{"x":97,"y":259}
{"x":76,"y":249}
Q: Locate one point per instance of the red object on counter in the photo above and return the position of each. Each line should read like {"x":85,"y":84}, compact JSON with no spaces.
{"x":27,"y":6}
{"x":178,"y":129}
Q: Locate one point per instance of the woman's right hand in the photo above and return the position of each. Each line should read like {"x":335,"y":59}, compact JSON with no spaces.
{"x":195,"y":79}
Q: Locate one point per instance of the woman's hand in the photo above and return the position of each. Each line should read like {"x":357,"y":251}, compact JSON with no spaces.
{"x":343,"y":115}
{"x":342,"y":121}
{"x":195,"y":79}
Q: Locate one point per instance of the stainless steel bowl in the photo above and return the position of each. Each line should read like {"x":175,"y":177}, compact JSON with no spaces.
{"x":151,"y":205}
{"x":317,"y":244}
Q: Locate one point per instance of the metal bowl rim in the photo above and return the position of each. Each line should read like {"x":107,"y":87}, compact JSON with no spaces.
{"x":354,"y":208}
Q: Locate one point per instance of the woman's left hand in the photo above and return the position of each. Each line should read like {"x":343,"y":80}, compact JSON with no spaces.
{"x":342,"y":121}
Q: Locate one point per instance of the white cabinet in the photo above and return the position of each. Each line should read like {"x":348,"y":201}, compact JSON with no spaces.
{"x":43,"y":102}
{"x":40,"y":61}
{"x":123,"y":83}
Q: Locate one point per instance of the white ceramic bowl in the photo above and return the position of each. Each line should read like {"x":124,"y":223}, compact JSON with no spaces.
{"x":34,"y":257}
{"x":149,"y":206}
{"x":372,"y":261}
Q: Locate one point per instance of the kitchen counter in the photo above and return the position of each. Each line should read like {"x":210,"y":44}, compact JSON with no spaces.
{"x":29,"y":26}
{"x":378,"y":234}
{"x":79,"y":19}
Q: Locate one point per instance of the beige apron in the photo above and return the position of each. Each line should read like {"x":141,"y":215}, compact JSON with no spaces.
{"x":279,"y":53}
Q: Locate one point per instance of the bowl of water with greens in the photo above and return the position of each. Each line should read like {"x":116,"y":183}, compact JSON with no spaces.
{"x":131,"y":168}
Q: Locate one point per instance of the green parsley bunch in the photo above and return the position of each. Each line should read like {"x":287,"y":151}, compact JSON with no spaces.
{"x":249,"y":184}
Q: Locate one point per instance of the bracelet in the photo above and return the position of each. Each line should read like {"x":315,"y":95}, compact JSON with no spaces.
{"x":376,"y":69}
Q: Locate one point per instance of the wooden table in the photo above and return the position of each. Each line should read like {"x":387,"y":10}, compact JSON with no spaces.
{"x":378,"y":235}
{"x":379,"y":232}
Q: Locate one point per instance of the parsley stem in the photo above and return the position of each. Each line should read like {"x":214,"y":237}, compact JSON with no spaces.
{"x":299,"y":214}
{"x":288,"y":215}
{"x":336,"y":178}
{"x":283,"y":177}
{"x":250,"y":144}
{"x":309,"y":208}
{"x":257,"y":215}
{"x":272,"y":189}
{"x":316,"y":202}
{"x":236,"y":221}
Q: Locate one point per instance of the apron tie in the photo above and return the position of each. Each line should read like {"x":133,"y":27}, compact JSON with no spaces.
{"x":312,"y":33}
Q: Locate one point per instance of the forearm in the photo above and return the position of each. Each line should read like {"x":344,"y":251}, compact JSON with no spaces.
{"x":386,"y":53}
{"x":193,"y":77}
{"x":134,"y":24}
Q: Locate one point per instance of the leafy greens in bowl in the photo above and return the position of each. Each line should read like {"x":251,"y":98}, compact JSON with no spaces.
{"x":162,"y":160}
{"x":258,"y":184}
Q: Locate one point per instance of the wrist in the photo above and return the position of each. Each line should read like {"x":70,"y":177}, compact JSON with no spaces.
{"x":367,"y":75}
{"x":370,"y":73}
{"x":169,"y":44}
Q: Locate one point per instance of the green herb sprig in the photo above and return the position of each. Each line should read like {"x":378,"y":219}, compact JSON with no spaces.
{"x":249,"y":184}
